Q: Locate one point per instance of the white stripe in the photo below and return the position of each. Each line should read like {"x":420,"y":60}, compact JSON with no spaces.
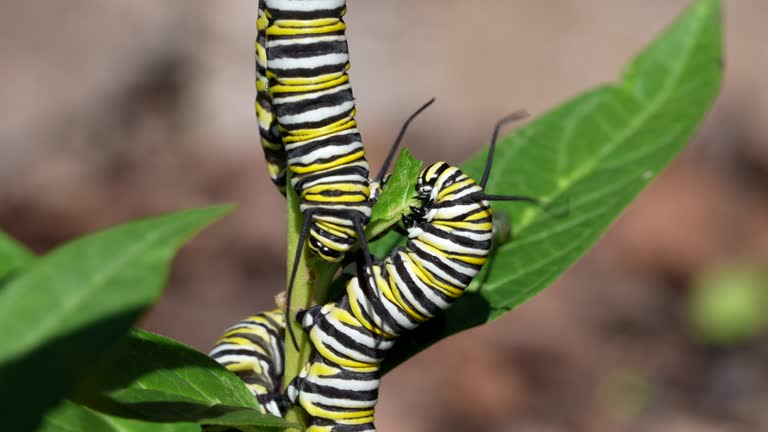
{"x":237,"y":358}
{"x":347,"y":384}
{"x":309,"y":62}
{"x":317,"y":115}
{"x":305,"y":5}
{"x":350,"y":178}
{"x":314,"y":398}
{"x":312,"y":95}
{"x":447,"y":246}
{"x":452,"y":211}
{"x":304,"y":40}
{"x":326,"y":152}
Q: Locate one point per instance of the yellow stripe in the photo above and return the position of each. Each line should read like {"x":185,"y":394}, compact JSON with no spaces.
{"x":310,"y":84}
{"x":334,"y":199}
{"x":452,"y":188}
{"x":318,"y":22}
{"x":297,"y":135}
{"x":278,"y":29}
{"x":480,"y":215}
{"x":284,"y":82}
{"x":484,"y":226}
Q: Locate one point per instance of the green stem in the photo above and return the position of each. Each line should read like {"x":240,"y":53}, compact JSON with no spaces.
{"x":301,"y":298}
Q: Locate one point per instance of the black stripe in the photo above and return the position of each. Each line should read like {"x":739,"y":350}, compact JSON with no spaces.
{"x":303,"y":50}
{"x":336,"y":139}
{"x":458,"y":239}
{"x":306,"y":15}
{"x":345,"y":170}
{"x":332,"y":332}
{"x":303,"y":106}
{"x":281,"y":73}
{"x":341,"y":393}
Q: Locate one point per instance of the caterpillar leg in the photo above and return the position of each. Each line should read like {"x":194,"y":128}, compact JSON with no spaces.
{"x":274,"y":403}
{"x":294,"y":388}
{"x":308,"y":318}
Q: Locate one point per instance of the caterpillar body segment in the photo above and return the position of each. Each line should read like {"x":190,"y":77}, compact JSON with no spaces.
{"x":253,"y":349}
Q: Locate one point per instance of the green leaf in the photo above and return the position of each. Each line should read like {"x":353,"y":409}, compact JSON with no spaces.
{"x":12,"y":255}
{"x":397,"y":196}
{"x":153,"y":378}
{"x":71,"y":305}
{"x":70,"y":417}
{"x":593,"y":154}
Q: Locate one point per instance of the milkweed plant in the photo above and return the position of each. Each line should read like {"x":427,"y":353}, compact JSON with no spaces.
{"x":71,"y":360}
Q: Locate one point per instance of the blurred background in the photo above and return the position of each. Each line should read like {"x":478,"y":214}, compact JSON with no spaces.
{"x":113,"y":110}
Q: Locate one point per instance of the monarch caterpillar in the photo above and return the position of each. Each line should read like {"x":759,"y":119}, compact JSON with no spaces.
{"x":307,"y":55}
{"x":449,"y":239}
{"x":271,"y":141}
{"x":253,"y":350}
{"x":307,"y":60}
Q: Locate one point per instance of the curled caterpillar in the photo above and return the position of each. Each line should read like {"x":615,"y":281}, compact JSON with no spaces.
{"x":253,"y":349}
{"x":449,"y":239}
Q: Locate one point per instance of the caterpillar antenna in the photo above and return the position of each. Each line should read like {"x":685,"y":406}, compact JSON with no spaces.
{"x":400,"y":135}
{"x":515,"y":116}
{"x":292,"y":279}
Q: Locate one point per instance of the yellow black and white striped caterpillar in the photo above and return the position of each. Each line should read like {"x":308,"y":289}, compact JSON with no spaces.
{"x":449,"y":239}
{"x":306,"y":66}
{"x":253,"y":349}
{"x":307,"y":60}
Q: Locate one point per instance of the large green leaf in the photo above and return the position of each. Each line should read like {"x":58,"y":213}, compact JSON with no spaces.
{"x":593,"y":154}
{"x":154,"y":378}
{"x":12,"y":255}
{"x":67,"y":307}
{"x":70,"y":417}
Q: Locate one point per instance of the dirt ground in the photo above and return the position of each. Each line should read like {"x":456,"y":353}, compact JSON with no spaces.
{"x":114,"y":110}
